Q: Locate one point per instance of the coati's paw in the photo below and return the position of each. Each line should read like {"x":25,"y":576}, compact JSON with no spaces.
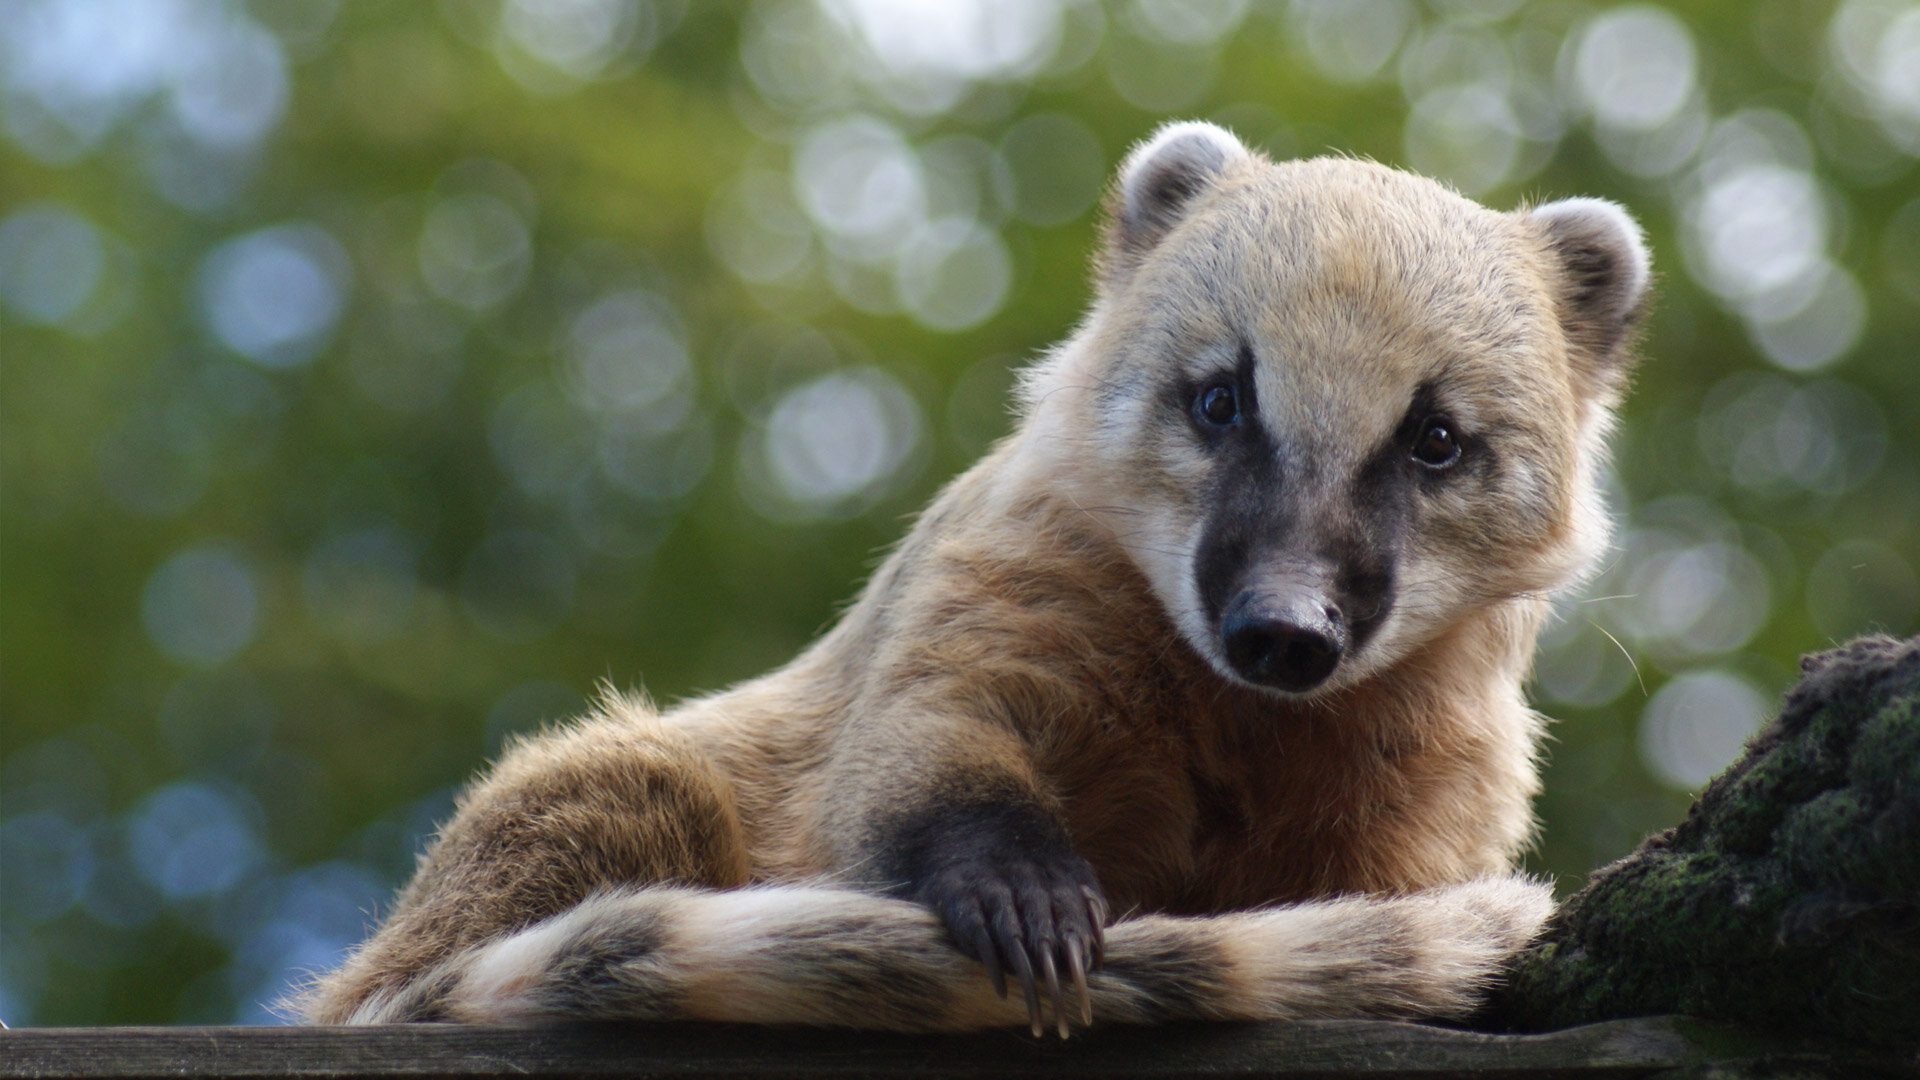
{"x":1036,"y":917}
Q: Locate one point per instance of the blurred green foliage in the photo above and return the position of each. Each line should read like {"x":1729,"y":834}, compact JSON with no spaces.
{"x":379,"y":377}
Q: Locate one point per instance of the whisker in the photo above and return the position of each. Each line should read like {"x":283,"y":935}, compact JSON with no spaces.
{"x":1623,"y":652}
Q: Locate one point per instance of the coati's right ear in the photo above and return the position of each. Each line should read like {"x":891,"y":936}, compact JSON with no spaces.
{"x":1605,"y":275}
{"x":1160,"y":179}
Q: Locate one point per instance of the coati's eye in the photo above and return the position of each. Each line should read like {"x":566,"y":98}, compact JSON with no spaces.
{"x":1438,"y":446}
{"x":1216,"y":405}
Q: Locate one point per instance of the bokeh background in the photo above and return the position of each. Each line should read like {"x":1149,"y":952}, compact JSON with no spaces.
{"x":378,"y":377}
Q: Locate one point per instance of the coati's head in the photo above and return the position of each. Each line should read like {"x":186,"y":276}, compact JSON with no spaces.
{"x":1331,"y":409}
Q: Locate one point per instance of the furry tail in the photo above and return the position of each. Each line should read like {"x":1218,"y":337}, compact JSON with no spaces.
{"x":820,"y":955}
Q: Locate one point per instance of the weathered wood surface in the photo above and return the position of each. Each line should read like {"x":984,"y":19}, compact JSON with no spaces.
{"x":1633,"y":1048}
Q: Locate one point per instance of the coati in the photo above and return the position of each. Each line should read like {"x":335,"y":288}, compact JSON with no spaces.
{"x":1226,"y":639}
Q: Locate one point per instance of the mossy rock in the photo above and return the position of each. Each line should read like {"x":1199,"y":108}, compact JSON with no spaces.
{"x":1789,"y":898}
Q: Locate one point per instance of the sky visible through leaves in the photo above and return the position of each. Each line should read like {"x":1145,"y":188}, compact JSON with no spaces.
{"x":377,"y":378}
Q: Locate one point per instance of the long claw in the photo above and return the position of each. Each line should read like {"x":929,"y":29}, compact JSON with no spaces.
{"x":983,"y":942}
{"x":1097,"y":909}
{"x":1051,"y":972}
{"x":1077,"y":968}
{"x":1024,"y":969}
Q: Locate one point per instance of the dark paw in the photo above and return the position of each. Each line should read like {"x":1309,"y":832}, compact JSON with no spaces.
{"x":1039,"y":919}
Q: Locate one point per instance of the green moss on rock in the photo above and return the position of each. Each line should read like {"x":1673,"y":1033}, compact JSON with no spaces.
{"x":1789,"y":898}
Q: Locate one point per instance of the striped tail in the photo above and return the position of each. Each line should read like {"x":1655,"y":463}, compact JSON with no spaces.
{"x":821,"y":955}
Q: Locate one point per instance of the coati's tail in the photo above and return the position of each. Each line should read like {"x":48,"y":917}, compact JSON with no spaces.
{"x":832,"y":956}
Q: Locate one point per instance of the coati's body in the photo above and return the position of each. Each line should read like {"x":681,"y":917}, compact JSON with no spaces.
{"x":1238,"y":615}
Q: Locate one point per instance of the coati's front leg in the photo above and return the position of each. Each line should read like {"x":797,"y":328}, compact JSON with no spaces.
{"x":972,"y":834}
{"x":1002,"y":874}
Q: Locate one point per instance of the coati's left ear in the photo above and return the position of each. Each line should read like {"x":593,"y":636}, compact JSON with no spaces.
{"x":1157,"y":186}
{"x":1605,"y":274}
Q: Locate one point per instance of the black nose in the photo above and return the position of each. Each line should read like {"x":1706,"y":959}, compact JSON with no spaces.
{"x":1288,"y":643}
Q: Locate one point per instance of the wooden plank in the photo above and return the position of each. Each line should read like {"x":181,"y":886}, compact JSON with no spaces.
{"x":1327,"y":1049}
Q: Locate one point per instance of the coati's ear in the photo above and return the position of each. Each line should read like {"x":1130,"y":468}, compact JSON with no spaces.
{"x":1605,"y":274}
{"x":1155,"y":186}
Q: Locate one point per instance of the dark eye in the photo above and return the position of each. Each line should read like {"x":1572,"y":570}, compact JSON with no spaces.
{"x":1438,"y":446}
{"x":1216,"y":405}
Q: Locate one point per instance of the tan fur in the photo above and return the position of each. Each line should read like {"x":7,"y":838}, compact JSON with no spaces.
{"x":1035,"y":635}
